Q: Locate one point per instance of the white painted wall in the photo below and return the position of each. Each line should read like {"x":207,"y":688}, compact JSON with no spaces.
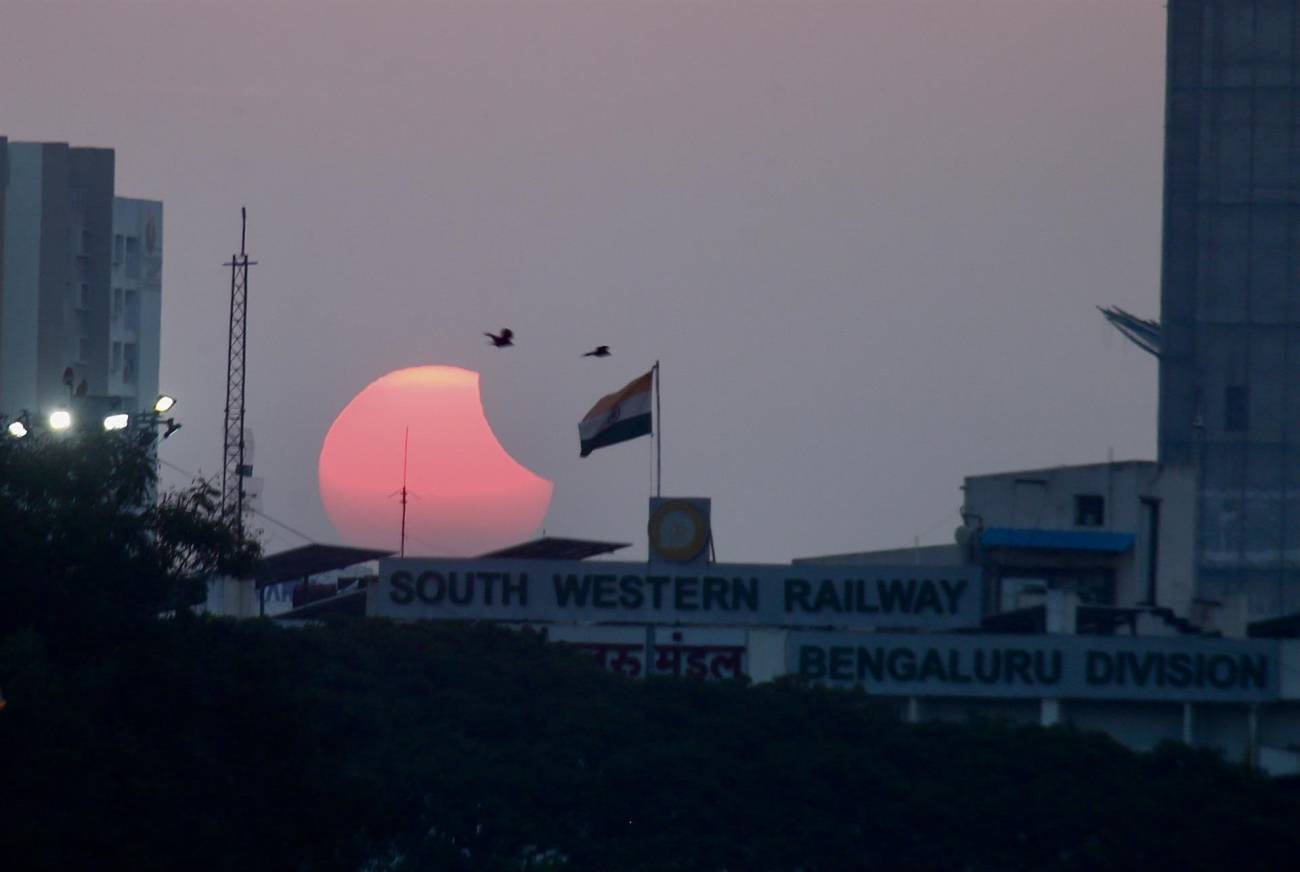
{"x":53,"y":194}
{"x":231,"y":597}
{"x":20,"y":301}
{"x":1044,"y":499}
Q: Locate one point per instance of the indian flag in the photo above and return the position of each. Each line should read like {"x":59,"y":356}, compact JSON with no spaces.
{"x":618,"y":417}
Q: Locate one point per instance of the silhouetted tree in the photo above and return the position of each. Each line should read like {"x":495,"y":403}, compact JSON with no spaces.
{"x":85,"y":546}
{"x":220,"y":744}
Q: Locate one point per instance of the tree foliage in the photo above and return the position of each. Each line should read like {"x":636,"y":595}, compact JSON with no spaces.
{"x":199,"y":743}
{"x":86,"y":547}
{"x":206,"y":743}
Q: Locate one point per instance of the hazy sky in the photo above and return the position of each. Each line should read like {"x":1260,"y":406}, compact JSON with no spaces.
{"x":864,"y":238}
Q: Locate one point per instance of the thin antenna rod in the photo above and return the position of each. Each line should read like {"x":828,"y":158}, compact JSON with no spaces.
{"x":659,"y":439}
{"x":406,"y":441}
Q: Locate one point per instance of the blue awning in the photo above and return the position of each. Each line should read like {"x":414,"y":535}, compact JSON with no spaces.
{"x":1057,"y":540}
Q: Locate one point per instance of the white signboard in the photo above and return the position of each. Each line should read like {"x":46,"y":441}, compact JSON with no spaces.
{"x":700,"y":652}
{"x":711,"y":653}
{"x":1062,"y":667}
{"x":919,"y":597}
{"x":619,"y":649}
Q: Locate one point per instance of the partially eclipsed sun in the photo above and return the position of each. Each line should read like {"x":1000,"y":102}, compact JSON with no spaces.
{"x":466,"y":494}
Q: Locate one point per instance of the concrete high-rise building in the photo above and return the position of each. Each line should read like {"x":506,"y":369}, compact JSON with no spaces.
{"x":135,"y":320}
{"x":1230,"y":290}
{"x":80,"y":284}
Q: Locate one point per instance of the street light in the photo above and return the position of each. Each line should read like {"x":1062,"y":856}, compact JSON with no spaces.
{"x":60,"y":419}
{"x":17,"y":429}
{"x":147,"y":423}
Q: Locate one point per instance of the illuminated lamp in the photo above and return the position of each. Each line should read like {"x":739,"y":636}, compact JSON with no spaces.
{"x":164,"y":403}
{"x":17,"y":429}
{"x":117,"y":421}
{"x":60,"y":419}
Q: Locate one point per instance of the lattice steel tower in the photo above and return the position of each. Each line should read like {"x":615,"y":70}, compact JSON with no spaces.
{"x":234,"y":471}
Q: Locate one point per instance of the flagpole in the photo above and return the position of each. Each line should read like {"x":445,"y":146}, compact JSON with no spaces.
{"x":659,"y":439}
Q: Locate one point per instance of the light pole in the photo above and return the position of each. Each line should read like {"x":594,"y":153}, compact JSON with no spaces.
{"x":61,"y":420}
{"x":152,"y":418}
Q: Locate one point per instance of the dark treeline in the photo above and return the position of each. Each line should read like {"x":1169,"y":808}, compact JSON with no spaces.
{"x":196,"y":743}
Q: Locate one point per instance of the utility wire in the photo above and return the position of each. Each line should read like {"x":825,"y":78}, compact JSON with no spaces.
{"x":258,"y":512}
{"x":193,"y":476}
{"x":285,"y":526}
{"x":955,"y":513}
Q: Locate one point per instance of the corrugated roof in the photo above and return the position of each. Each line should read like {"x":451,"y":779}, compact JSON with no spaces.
{"x":350,"y":603}
{"x":554,"y":548}
{"x":298,"y":563}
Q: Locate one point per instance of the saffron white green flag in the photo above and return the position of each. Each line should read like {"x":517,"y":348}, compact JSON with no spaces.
{"x":619,"y":416}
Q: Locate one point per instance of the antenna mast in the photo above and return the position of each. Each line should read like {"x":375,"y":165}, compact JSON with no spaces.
{"x":406,"y":440}
{"x":234,"y":470}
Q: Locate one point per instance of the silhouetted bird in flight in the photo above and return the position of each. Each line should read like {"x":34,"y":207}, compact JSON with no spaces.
{"x":598,"y":351}
{"x":505,"y":340}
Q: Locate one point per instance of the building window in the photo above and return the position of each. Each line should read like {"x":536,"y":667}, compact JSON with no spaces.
{"x":132,"y":257}
{"x":83,"y":296}
{"x":129,"y":362}
{"x":83,"y":349}
{"x":119,"y":248}
{"x":117,"y":356}
{"x":132,"y":310}
{"x":117,"y":303}
{"x":1236,"y":408}
{"x":1089,"y":510}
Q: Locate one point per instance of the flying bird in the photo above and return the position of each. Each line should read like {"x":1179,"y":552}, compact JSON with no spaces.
{"x":505,"y":340}
{"x":598,"y":351}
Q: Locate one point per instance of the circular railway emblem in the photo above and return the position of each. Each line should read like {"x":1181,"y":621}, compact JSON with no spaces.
{"x":678,"y":531}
